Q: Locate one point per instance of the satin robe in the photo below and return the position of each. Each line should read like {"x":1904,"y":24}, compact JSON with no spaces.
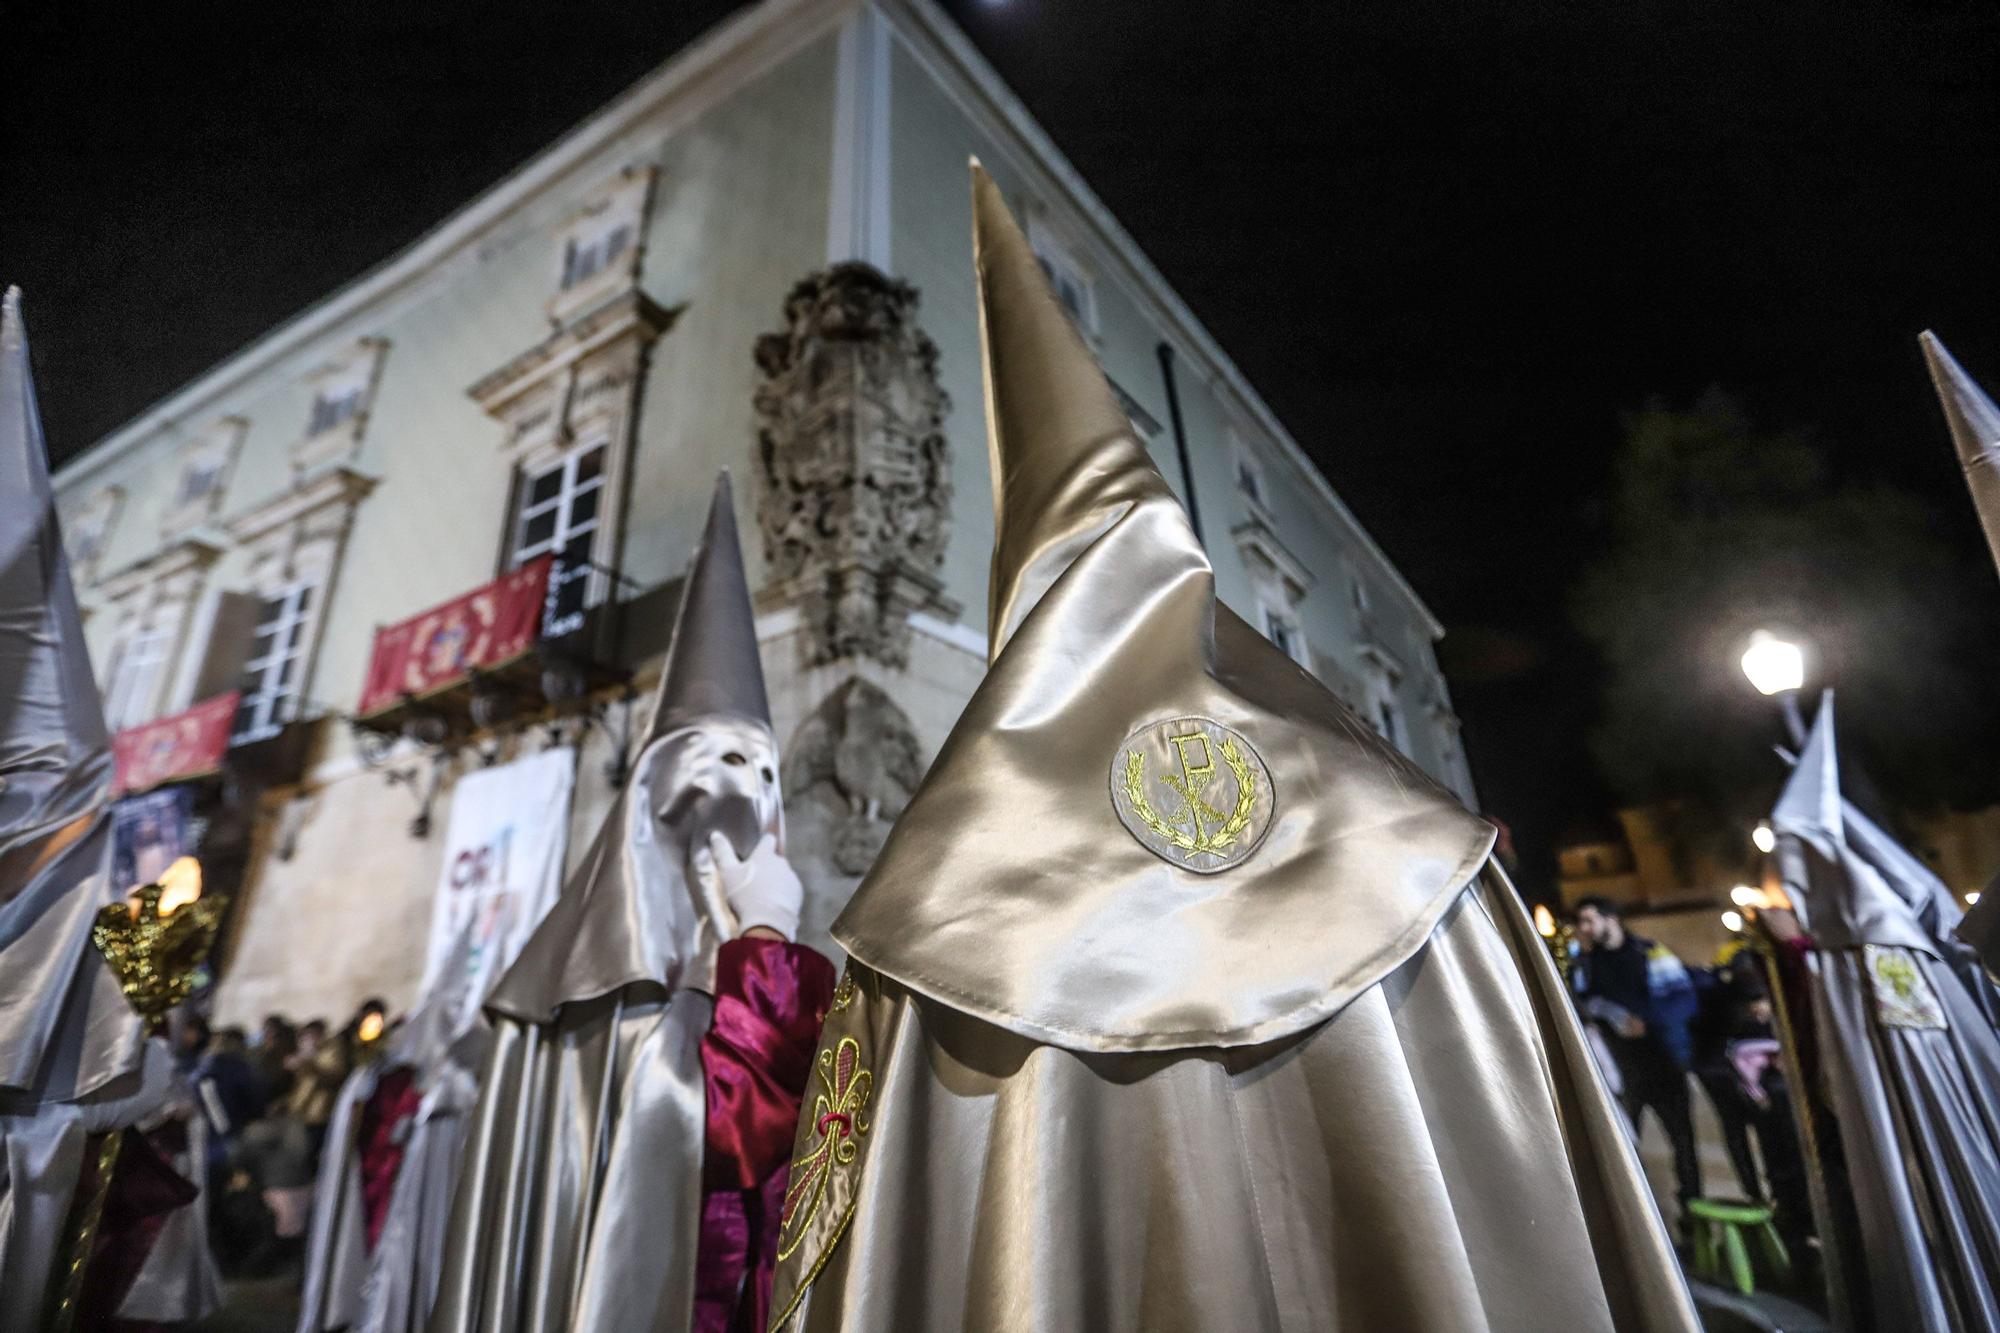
{"x":638,"y":1124}
{"x":1440,"y":1154}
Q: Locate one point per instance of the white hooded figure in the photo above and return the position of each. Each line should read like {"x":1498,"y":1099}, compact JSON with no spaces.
{"x":582,"y":1200}
{"x":75,"y":1065}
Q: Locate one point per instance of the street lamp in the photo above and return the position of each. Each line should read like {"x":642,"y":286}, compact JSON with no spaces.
{"x":1777,"y":666}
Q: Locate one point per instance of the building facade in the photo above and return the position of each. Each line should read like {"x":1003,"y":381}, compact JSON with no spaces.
{"x":757,"y":259}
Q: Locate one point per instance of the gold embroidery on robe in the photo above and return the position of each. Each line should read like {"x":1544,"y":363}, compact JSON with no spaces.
{"x":827,"y":1158}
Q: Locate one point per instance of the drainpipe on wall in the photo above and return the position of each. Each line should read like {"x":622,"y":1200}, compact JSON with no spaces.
{"x":1180,"y":439}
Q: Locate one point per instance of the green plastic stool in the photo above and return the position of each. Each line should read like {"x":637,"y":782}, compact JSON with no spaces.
{"x":1719,"y":1225}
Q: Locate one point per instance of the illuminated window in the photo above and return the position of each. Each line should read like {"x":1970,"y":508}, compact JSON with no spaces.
{"x":561,"y":511}
{"x":272,"y":675}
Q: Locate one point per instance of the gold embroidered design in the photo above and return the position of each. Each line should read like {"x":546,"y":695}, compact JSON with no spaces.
{"x":843,"y":994}
{"x":1202,"y":827}
{"x":839,"y":1119}
{"x":1903,"y":995}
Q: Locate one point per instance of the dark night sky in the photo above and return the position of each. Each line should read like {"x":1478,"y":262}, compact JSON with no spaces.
{"x":1450,"y":242}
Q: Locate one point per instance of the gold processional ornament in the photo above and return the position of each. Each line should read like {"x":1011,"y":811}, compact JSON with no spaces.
{"x":157,"y":941}
{"x":1211,"y":801}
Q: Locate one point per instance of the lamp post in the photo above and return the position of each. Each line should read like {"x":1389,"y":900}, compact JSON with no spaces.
{"x":1777,"y":666}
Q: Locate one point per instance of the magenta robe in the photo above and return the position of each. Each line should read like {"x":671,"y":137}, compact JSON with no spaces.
{"x":770,"y":999}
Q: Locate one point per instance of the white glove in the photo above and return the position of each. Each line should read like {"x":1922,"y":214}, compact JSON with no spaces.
{"x":763,"y":890}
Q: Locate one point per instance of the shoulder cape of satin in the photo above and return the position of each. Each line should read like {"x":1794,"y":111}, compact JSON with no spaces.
{"x":1010,"y":888}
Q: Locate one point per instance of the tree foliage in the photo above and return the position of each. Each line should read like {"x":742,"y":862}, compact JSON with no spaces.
{"x":1717,"y":530}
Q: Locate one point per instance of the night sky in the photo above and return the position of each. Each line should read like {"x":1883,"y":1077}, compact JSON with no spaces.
{"x":1450,"y":242}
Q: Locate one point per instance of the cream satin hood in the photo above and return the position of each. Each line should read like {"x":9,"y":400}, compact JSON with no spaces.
{"x":1050,"y":875}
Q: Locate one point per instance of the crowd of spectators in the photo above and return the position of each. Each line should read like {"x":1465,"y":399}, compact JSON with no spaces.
{"x":268,"y":1101}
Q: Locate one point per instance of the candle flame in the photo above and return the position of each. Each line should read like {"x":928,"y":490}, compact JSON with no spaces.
{"x":371,"y":1027}
{"x":1545,"y":921}
{"x":1748,"y":895}
{"x":180,"y":885}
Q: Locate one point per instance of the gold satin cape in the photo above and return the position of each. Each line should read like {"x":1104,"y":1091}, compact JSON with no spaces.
{"x":1308,"y":1067}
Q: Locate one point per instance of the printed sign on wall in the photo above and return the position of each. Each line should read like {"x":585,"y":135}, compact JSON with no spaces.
{"x":503,"y":866}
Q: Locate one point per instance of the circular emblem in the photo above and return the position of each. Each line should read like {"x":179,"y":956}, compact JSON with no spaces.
{"x":1193,"y":792}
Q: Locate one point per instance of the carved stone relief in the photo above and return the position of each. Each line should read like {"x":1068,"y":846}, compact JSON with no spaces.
{"x":855,"y":503}
{"x":849,"y":771}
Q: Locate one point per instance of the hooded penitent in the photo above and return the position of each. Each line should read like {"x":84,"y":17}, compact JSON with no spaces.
{"x":635,"y":1026}
{"x":73,"y":1062}
{"x":1909,"y":1061}
{"x":1177,"y":999}
{"x":390,"y":1162}
{"x":1975,"y":430}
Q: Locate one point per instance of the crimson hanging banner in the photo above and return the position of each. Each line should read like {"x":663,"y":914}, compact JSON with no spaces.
{"x":439,"y":648}
{"x":186,"y":745}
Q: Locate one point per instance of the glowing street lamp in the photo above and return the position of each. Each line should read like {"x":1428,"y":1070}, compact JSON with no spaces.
{"x":1776,"y":666}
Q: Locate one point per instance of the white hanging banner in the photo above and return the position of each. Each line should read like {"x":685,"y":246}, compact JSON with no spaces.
{"x":503,"y":867}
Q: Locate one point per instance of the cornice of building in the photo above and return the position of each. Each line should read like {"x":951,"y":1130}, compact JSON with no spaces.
{"x":724,"y":59}
{"x":715,"y":65}
{"x":951,"y":57}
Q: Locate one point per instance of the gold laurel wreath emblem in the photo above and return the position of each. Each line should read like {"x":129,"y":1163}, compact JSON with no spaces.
{"x":1200,"y":840}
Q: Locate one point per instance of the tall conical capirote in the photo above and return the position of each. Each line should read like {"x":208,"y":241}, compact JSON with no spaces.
{"x":54,"y":750}
{"x":629,"y":914}
{"x":65,"y":1030}
{"x":1975,"y":430}
{"x":1811,"y":796}
{"x":1048,"y":875}
{"x":712,"y":663}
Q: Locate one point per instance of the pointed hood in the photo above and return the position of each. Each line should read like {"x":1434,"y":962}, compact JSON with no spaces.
{"x":64,"y":1028}
{"x":1150,"y":829}
{"x":632,"y":914}
{"x":712,"y":664}
{"x":55,"y":754}
{"x":1848,"y":892}
{"x":1975,"y":430}
{"x":1810,"y":801}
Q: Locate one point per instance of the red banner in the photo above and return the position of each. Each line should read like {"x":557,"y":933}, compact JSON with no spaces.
{"x":185,"y":745}
{"x":484,"y":628}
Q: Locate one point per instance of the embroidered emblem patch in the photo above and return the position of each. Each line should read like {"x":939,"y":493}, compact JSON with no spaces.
{"x":1903,"y":994}
{"x":1193,"y":792}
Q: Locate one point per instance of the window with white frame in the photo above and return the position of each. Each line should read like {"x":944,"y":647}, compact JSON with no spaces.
{"x":1383,"y":712}
{"x":133,"y":694}
{"x":334,"y":407}
{"x":1067,"y":275}
{"x":1283,"y":631}
{"x":586,"y":256}
{"x":1249,"y":474}
{"x":273,"y":674}
{"x":598,"y":250}
{"x":560,"y":513}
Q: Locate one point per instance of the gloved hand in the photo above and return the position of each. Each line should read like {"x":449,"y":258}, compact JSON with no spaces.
{"x":762,"y":890}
